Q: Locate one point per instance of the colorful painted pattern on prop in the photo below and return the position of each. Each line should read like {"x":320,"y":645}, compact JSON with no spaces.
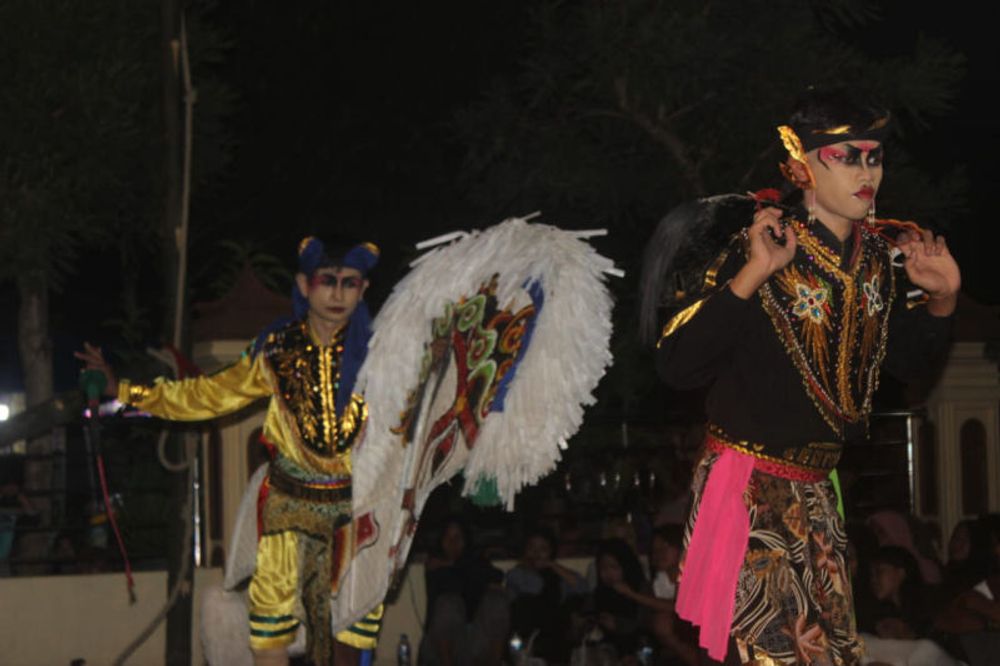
{"x":484,"y":342}
{"x":830,"y":351}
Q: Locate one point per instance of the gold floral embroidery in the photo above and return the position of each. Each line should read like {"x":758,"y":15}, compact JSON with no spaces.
{"x":307,"y":376}
{"x":813,"y":307}
{"x":834,"y":335}
{"x":811,"y":303}
{"x":299,"y":383}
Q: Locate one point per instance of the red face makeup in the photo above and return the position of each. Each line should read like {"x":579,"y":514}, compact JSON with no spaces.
{"x":327,"y":280}
{"x":333,"y":294}
{"x":868,"y":153}
{"x":847,"y":175}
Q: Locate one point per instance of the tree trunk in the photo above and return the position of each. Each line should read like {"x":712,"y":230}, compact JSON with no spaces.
{"x":178,"y":643}
{"x":172,"y":146}
{"x":35,"y":351}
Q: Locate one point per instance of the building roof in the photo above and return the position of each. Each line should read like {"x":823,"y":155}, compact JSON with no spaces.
{"x":241,"y":314}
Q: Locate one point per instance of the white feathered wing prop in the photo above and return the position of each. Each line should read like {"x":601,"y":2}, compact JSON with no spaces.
{"x":482,"y":361}
{"x":550,"y":284}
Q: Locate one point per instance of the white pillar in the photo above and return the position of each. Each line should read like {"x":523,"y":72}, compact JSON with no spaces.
{"x":969,"y":388}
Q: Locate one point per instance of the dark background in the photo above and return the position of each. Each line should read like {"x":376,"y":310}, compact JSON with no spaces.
{"x":347,"y":118}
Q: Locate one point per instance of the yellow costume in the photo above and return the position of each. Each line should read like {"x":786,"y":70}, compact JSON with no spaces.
{"x":305,"y":504}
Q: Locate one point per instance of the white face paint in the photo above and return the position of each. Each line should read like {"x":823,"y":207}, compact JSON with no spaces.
{"x":847,"y":175}
{"x":333,"y":293}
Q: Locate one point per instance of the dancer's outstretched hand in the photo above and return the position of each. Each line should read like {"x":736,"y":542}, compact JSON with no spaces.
{"x":93,"y":359}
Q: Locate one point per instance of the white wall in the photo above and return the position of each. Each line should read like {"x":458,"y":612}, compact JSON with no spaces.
{"x":49,"y":621}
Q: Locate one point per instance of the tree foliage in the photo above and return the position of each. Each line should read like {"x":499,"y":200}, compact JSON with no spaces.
{"x":75,"y":124}
{"x":621,"y":110}
{"x":625,"y":108}
{"x":81,"y":141}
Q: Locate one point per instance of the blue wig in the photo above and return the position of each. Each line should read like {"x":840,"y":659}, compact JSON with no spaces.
{"x":312,"y":257}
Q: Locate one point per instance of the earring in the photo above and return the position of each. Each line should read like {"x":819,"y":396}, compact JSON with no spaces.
{"x":811,"y":206}
{"x":871,"y":214}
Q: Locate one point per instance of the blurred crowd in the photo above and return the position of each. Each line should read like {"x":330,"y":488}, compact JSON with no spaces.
{"x":616,"y":605}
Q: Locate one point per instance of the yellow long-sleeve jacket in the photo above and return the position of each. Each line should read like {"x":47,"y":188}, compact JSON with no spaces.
{"x":299,"y":375}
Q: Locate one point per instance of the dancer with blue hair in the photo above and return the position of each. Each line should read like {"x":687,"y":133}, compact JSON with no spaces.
{"x":306,"y":365}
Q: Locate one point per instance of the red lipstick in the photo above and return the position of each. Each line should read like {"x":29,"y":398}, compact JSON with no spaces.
{"x":867,"y":193}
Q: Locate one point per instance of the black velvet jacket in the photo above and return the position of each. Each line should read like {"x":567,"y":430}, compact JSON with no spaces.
{"x":798,"y":362}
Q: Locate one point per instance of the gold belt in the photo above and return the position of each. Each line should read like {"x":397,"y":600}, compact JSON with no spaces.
{"x":337,"y":491}
{"x":811,"y":462}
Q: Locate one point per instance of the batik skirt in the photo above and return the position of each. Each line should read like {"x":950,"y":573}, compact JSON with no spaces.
{"x":793,"y":602}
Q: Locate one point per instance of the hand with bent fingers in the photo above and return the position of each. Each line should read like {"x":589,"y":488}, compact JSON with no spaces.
{"x":931,"y":267}
{"x":767,"y":256}
{"x":93,"y":359}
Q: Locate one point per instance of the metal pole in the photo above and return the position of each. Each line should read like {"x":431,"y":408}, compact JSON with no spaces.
{"x":910,"y":466}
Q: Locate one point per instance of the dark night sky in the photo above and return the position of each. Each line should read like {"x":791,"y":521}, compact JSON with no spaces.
{"x":395,"y":76}
{"x":343,"y":119}
{"x":969,"y":135}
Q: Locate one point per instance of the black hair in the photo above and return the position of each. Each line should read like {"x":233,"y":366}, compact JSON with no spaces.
{"x":463,"y":526}
{"x":820,"y":109}
{"x":980,"y":562}
{"x":540,"y":533}
{"x":627,"y":560}
{"x":991,"y":525}
{"x":673,"y":534}
{"x":901,"y":558}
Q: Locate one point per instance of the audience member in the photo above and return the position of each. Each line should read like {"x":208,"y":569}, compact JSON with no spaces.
{"x":467,"y":611}
{"x":540,"y":590}
{"x":677,"y":639}
{"x":897,"y":626}
{"x":893,"y":528}
{"x":970,"y":555}
{"x":617,"y":613}
{"x":970,"y":616}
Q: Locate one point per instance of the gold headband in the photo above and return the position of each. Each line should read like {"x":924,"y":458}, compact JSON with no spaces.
{"x":839,"y":130}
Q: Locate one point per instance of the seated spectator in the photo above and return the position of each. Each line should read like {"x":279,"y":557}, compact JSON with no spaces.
{"x":677,"y":639}
{"x":467,"y":612}
{"x":897,"y":627}
{"x":970,"y":556}
{"x":540,"y":589}
{"x":617,"y":613}
{"x":893,"y":528}
{"x":614,"y":528}
{"x":900,"y":602}
{"x":970,"y":615}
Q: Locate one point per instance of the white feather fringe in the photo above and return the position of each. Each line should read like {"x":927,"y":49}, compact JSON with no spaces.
{"x":568,"y":354}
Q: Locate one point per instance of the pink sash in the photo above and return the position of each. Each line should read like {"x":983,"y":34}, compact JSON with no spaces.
{"x":715,"y":553}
